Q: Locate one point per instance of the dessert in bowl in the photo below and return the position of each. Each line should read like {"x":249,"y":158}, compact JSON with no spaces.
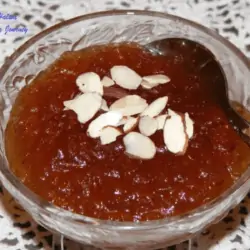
{"x":114,"y":146}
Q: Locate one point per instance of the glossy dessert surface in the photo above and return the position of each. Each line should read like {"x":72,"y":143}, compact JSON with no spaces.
{"x":50,"y":151}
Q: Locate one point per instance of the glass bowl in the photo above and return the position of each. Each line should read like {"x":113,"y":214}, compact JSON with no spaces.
{"x":112,"y":27}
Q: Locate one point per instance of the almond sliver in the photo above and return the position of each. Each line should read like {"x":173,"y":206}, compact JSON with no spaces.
{"x":130,"y":124}
{"x":156,"y":107}
{"x":156,"y":79}
{"x":189,"y":125}
{"x":148,"y":85}
{"x":104,"y":106}
{"x":111,"y":118}
{"x":139,"y":146}
{"x":109,"y":135}
{"x":125,"y":77}
{"x":129,"y":105}
{"x":175,"y":137}
{"x":89,"y":82}
{"x":85,"y":106}
{"x":107,"y":82}
{"x":147,"y":125}
{"x":123,"y":120}
{"x":161,"y":121}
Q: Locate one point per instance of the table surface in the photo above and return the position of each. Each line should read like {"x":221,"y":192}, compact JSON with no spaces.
{"x":231,"y":18}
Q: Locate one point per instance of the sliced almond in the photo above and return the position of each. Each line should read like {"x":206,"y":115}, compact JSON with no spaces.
{"x":85,"y":106}
{"x":154,"y":80}
{"x":129,"y":105}
{"x":104,"y":105}
{"x":175,"y":137}
{"x":147,"y":125}
{"x":139,"y":146}
{"x":89,"y":82}
{"x":125,"y":77}
{"x":65,"y":108}
{"x":123,"y":120}
{"x":148,"y":85}
{"x":161,"y":121}
{"x":111,"y":118}
{"x":107,"y":82}
{"x":149,"y":82}
{"x":156,"y":107}
{"x":130,"y":124}
{"x":189,"y":125}
{"x":109,"y":135}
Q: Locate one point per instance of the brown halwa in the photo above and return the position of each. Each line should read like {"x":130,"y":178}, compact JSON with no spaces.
{"x":51,"y":153}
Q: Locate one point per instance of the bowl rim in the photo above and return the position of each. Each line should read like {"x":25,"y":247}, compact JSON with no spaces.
{"x":64,"y":215}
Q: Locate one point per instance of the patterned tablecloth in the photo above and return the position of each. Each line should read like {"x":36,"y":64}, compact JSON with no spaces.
{"x":231,"y":18}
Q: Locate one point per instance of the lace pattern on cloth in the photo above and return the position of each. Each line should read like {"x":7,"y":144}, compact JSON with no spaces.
{"x":230,"y":18}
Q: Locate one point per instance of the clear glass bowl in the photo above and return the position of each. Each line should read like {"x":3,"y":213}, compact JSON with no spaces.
{"x":108,"y":27}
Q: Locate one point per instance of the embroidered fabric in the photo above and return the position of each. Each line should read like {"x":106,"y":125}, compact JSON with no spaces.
{"x":230,"y":18}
